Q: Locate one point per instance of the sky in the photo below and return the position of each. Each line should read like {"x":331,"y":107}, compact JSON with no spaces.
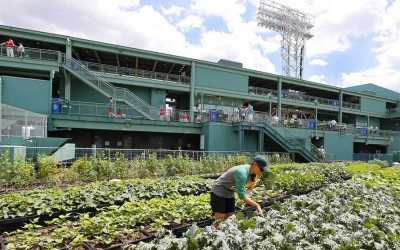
{"x":354,"y":42}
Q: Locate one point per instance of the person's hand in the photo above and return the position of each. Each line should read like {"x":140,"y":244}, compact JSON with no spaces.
{"x":259,"y":211}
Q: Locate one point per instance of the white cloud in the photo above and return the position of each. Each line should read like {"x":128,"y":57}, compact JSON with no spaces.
{"x":190,"y":22}
{"x":133,"y":24}
{"x":233,"y":46}
{"x":229,"y":10}
{"x":387,"y":77}
{"x":387,"y":72}
{"x":319,"y":62}
{"x":317,"y":78}
{"x":172,"y":11}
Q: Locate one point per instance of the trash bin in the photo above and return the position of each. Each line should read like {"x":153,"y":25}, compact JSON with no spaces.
{"x":56,"y":105}
{"x":364,"y":131}
{"x":311,"y":124}
{"x":213,"y":115}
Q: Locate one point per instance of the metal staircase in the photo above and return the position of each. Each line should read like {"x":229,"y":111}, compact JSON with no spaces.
{"x":80,"y":71}
{"x":291,"y":145}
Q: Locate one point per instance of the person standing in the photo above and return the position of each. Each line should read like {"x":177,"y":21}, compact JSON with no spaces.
{"x":162,"y":113}
{"x":236,"y":180}
{"x":9,"y":47}
{"x":110,"y":107}
{"x":322,"y":153}
{"x":21,"y":50}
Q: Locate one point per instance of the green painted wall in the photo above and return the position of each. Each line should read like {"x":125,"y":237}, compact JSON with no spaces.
{"x":158,"y":97}
{"x":395,"y":145}
{"x":82,"y":92}
{"x":373,"y":121}
{"x":142,"y":92}
{"x":338,"y":147}
{"x":222,"y":101}
{"x":250,"y":141}
{"x":223,"y":137}
{"x":373,"y":105}
{"x":376,"y":90}
{"x":217,"y":79}
{"x":220,"y":137}
{"x":26,"y":93}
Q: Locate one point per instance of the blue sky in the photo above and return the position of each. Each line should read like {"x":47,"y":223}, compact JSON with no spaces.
{"x":354,"y":41}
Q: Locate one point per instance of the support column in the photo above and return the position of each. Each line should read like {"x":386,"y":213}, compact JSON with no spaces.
{"x":68,"y":49}
{"x":241,"y":138}
{"x":202,"y":107}
{"x":1,"y":108}
{"x":67,"y":85}
{"x":51,"y":89}
{"x":68,"y":55}
{"x":341,"y":107}
{"x":260,"y":141}
{"x":192,"y":91}
{"x":279,"y":98}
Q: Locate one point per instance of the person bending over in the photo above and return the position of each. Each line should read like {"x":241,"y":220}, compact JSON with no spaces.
{"x":236,"y":179}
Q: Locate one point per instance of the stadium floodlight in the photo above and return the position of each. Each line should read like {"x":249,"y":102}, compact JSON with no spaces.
{"x":295,"y":28}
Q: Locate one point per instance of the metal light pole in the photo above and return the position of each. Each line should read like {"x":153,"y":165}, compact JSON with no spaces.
{"x":295,"y":29}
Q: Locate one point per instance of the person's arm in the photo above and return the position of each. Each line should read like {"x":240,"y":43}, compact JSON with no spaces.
{"x":252,"y":203}
{"x":240,"y":188}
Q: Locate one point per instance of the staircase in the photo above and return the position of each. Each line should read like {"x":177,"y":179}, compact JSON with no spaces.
{"x":80,"y":71}
{"x":289,"y":145}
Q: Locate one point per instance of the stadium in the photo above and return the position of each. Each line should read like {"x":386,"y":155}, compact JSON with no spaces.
{"x":85,"y":94}
{"x":110,"y":146}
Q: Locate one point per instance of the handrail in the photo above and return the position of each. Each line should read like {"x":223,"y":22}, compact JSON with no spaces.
{"x":76,"y":66}
{"x":122,"y":111}
{"x":119,"y":93}
{"x":128,"y":96}
{"x":351,"y":105}
{"x":112,"y":69}
{"x":33,"y":53}
{"x":288,"y":95}
{"x":262,"y":91}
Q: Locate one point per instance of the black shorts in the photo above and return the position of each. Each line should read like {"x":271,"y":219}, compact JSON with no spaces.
{"x":222,"y":205}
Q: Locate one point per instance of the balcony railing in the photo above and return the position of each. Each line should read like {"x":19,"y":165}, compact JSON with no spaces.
{"x":121,"y":111}
{"x":351,"y":105}
{"x":307,"y":98}
{"x":126,"y":112}
{"x":33,"y":53}
{"x":125,"y":71}
{"x":257,"y":91}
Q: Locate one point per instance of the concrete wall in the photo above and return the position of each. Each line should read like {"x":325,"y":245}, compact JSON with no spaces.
{"x":30,"y":94}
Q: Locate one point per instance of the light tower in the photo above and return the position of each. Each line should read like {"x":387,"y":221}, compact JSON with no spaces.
{"x":294,"y":26}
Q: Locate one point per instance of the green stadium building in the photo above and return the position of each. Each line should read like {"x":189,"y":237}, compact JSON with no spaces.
{"x":92,"y":94}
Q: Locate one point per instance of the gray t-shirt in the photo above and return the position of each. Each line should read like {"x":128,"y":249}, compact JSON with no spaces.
{"x":235,"y":179}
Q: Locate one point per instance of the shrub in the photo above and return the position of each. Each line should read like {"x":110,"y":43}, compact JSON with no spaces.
{"x":120,"y":167}
{"x":47,"y":168}
{"x":85,"y":169}
{"x":24,"y":173}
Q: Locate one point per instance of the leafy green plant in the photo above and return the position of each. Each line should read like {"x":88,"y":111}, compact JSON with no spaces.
{"x":115,"y":224}
{"x":85,"y":169}
{"x":47,"y":168}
